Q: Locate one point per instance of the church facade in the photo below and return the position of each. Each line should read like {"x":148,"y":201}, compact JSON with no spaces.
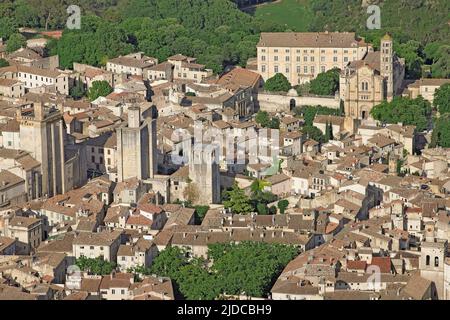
{"x":368,"y":82}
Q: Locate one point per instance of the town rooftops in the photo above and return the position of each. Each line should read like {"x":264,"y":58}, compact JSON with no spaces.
{"x":239,"y":77}
{"x":308,"y":39}
{"x":132,"y":62}
{"x":23,"y":222}
{"x":97,"y":239}
{"x":9,"y":179}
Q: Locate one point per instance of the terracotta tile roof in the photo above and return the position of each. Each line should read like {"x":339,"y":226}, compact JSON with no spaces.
{"x":356,"y":265}
{"x":383,"y":262}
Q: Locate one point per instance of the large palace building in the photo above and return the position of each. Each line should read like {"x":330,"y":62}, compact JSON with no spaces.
{"x":301,"y":56}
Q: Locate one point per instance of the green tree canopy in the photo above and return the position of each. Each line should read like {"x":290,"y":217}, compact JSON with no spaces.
{"x":278,"y":83}
{"x":326,"y":83}
{"x":3,"y":63}
{"x":237,"y":200}
{"x":314,"y":133}
{"x":77,"y":91}
{"x":249,"y":267}
{"x":442,"y":98}
{"x":97,"y":266}
{"x":441,"y":131}
{"x":405,"y":110}
{"x":15,"y":42}
{"x":282,"y":205}
{"x":99,"y":89}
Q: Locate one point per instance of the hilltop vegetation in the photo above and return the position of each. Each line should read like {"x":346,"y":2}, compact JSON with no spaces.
{"x":420,"y":27}
{"x":218,"y":33}
{"x":214,"y":31}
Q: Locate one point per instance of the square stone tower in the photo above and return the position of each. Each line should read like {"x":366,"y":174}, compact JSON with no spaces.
{"x":42,"y":134}
{"x":204,"y":172}
{"x":136,"y":147}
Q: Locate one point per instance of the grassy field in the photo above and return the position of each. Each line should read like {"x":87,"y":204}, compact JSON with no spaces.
{"x":295,"y":14}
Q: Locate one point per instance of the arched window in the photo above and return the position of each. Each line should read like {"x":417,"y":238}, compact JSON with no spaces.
{"x":427,"y":260}
{"x":436,"y":261}
{"x":364,"y":86}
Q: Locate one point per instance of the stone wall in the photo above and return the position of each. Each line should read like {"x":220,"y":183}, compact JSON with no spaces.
{"x":277,"y":102}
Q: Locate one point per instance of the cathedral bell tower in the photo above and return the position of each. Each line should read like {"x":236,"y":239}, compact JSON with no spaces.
{"x":387,"y":65}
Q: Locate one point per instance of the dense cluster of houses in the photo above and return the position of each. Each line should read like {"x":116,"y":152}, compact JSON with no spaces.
{"x":111,"y":178}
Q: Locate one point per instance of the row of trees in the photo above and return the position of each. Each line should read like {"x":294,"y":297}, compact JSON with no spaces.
{"x":247,"y":268}
{"x":408,"y":111}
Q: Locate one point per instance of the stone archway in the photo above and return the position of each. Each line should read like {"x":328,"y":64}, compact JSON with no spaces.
{"x":292,"y":104}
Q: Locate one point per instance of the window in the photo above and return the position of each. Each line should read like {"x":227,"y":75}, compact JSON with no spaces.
{"x":113,"y":291}
{"x":436,"y":261}
{"x":335,"y":51}
{"x":345,"y":59}
{"x":263,"y":68}
{"x":322,"y":69}
{"x":287,"y":69}
{"x":427,"y":262}
{"x":335,"y":59}
{"x":263,"y":58}
{"x":305,"y":69}
{"x":275,"y":69}
{"x":312,"y":59}
{"x":91,"y":247}
{"x":313,"y":70}
{"x":305,"y":59}
{"x":299,"y":69}
{"x":322,"y":59}
{"x":365,"y":86}
{"x":298,"y":59}
{"x":287,"y":58}
{"x":93,"y":158}
{"x":275,"y":58}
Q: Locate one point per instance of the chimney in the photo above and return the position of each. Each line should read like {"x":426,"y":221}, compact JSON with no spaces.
{"x":39,"y":110}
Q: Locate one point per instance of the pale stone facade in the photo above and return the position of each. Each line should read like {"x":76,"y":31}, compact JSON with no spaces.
{"x":42,"y":135}
{"x":302,"y":56}
{"x":425,"y":88}
{"x":136,"y":147}
{"x":365,"y":83}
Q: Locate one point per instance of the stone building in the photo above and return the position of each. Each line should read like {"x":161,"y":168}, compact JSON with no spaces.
{"x":42,"y":135}
{"x":204,"y":173}
{"x":367,"y":82}
{"x":301,"y":56}
{"x":432,"y":261}
{"x":136,"y":147}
